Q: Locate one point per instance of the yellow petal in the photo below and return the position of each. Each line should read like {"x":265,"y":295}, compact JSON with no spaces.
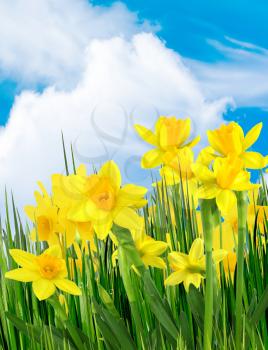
{"x":103,"y":227}
{"x":24,"y":259}
{"x":219,"y":255}
{"x":206,"y":156}
{"x":151,"y":159}
{"x":54,"y":250}
{"x":43,"y":289}
{"x":214,"y":141}
{"x":111,"y":170}
{"x":178,"y":260}
{"x":253,"y":160}
{"x":81,"y":170}
{"x":208,"y":191}
{"x":175,"y":278}
{"x":30,"y":212}
{"x":252,"y":136}
{"x":152,"y":247}
{"x":127,"y":218}
{"x":194,"y":278}
{"x":197,"y":249}
{"x":226,"y":201}
{"x":67,"y":286}
{"x":169,"y":175}
{"x":153,"y":261}
{"x":146,"y":134}
{"x":132,"y":195}
{"x":203,"y":173}
{"x":193,"y":142}
{"x":22,"y":275}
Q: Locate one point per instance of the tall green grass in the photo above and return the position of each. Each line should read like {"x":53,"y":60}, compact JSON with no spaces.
{"x":122,"y":309}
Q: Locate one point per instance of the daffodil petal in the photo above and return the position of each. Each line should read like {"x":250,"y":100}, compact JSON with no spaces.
{"x":153,"y":261}
{"x":22,"y":275}
{"x":43,"y":289}
{"x":24,"y":259}
{"x":103,"y":227}
{"x":252,"y":136}
{"x":178,"y":260}
{"x":151,"y":159}
{"x":169,"y":175}
{"x":208,"y":191}
{"x":193,"y":142}
{"x":54,"y":250}
{"x":146,"y":134}
{"x":67,"y":286}
{"x":81,"y":170}
{"x":226,"y":201}
{"x":203,"y":173}
{"x":197,"y":249}
{"x":127,"y":218}
{"x":175,"y":278}
{"x":111,"y":171}
{"x":132,"y":195}
{"x":254,"y":160}
{"x":219,"y":255}
{"x":194,"y":279}
{"x":153,"y":247}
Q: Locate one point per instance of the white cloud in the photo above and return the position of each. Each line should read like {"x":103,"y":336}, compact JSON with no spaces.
{"x":242,"y":73}
{"x":123,"y":81}
{"x":43,"y":41}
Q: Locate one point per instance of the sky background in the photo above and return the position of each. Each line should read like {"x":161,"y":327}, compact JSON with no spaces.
{"x":67,"y":64}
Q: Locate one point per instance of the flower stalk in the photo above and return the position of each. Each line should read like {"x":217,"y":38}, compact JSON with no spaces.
{"x":242,"y":203}
{"x":207,"y":222}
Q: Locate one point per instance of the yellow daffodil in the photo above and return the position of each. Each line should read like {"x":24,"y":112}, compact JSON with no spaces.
{"x":63,"y":199}
{"x":46,"y":272}
{"x":148,"y":248}
{"x":100,"y":199}
{"x":227,"y":176}
{"x":179,"y":170}
{"x":230,"y":139}
{"x":51,"y":224}
{"x":170,"y":135}
{"x":191,"y":269}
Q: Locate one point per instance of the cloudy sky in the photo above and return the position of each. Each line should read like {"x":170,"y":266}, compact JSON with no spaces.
{"x":92,"y":69}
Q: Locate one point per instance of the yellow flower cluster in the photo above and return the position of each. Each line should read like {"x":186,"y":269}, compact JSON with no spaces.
{"x":218,"y":173}
{"x":83,"y":208}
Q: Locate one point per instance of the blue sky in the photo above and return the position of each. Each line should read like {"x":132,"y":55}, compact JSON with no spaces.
{"x":221,"y":54}
{"x":185,"y":27}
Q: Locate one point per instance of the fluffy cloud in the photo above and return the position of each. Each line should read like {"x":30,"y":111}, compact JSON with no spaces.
{"x":124,"y":81}
{"x":44,"y":41}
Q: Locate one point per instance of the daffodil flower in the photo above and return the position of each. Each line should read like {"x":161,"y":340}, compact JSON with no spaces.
{"x":230,"y":140}
{"x":191,"y":269}
{"x":148,"y":248}
{"x":46,"y":272}
{"x":100,"y":199}
{"x":170,"y":135}
{"x":51,"y":224}
{"x":227,"y":177}
{"x":179,"y":170}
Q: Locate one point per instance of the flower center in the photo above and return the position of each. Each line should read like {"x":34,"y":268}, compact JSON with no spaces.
{"x":103,"y":195}
{"x":43,"y":227}
{"x":49,"y":266}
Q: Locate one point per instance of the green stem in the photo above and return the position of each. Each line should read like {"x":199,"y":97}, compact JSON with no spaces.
{"x":207,"y":222}
{"x":128,"y":284}
{"x":242,"y":225}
